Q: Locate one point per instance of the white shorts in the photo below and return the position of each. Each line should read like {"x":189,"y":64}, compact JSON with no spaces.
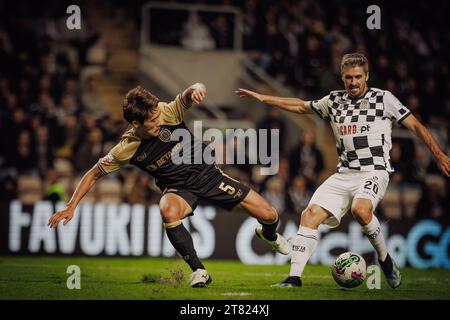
{"x":336,"y":194}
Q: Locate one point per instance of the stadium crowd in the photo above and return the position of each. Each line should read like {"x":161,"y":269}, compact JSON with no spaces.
{"x":54,"y":126}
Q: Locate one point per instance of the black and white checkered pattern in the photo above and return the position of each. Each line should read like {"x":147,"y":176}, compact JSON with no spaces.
{"x":362,"y":127}
{"x":344,"y":110}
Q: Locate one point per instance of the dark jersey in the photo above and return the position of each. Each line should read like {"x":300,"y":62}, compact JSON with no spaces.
{"x":154,"y":155}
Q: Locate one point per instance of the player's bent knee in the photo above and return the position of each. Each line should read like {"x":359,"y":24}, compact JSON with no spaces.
{"x":312,"y":217}
{"x":170,"y":213}
{"x":308,"y":219}
{"x":362,"y":214}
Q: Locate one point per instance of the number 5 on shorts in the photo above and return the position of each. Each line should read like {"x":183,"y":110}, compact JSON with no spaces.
{"x":227,"y":188}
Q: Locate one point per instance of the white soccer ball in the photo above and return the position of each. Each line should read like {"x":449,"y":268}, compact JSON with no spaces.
{"x":349,"y":270}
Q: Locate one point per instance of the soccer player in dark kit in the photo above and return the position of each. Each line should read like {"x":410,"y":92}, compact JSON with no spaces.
{"x":147,"y":144}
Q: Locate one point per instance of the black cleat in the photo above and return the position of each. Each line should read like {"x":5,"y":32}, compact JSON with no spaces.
{"x":289,"y":282}
{"x":391,"y":271}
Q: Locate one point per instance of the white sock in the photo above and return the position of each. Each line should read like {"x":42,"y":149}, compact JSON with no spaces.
{"x":303,"y":247}
{"x":375,"y":236}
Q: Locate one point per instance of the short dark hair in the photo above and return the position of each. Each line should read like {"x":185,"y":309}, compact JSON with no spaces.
{"x":137,"y":103}
{"x":354,"y":60}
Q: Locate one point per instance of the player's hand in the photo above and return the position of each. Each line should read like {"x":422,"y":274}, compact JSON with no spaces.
{"x":66,"y":214}
{"x":198,"y":93}
{"x":443,"y":163}
{"x":242,"y":93}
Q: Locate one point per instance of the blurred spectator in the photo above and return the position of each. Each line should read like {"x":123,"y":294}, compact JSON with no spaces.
{"x":72,"y":89}
{"x":251,"y":31}
{"x":239,"y":150}
{"x":421,"y":163}
{"x":90,"y":150}
{"x":222,"y":33}
{"x":109,"y":130}
{"x":54,"y":191}
{"x":434,"y":201}
{"x":276,"y":46}
{"x":312,"y":62}
{"x":271,"y":121}
{"x":403,"y":168}
{"x":299,"y":194}
{"x":11,"y":128}
{"x":91,"y":98}
{"x":284,"y":169}
{"x":67,"y":107}
{"x":25,"y":153}
{"x":71,"y":131}
{"x":196,"y":35}
{"x":275,"y":194}
{"x":44,"y":150}
{"x":8,"y":188}
{"x":306,"y":159}
{"x":141,"y":193}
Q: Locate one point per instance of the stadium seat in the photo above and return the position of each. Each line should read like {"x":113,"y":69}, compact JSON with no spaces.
{"x":63,"y":167}
{"x":391,"y":204}
{"x":411,"y":196}
{"x":67,"y":184}
{"x":29,"y":189}
{"x":109,"y":191}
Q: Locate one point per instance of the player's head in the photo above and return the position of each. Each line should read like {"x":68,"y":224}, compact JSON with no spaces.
{"x":140,"y":110}
{"x":355,"y":73}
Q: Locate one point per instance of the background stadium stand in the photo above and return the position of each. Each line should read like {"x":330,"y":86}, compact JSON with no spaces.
{"x":61,"y":93}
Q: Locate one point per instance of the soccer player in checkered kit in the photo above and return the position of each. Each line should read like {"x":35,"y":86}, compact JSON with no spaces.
{"x":147,"y":144}
{"x":361,"y":119}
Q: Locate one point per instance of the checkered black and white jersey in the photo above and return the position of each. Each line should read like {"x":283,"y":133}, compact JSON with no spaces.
{"x":362,"y":127}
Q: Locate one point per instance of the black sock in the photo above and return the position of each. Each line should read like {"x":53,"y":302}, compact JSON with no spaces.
{"x":269,"y":229}
{"x":182,"y":241}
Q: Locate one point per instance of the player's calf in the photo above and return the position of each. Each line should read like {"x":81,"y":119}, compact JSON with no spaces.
{"x":269,"y":227}
{"x":183,"y":243}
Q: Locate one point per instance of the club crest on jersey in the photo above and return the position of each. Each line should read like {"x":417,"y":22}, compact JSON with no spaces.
{"x":364,"y":105}
{"x":165,"y":135}
{"x":141,"y":157}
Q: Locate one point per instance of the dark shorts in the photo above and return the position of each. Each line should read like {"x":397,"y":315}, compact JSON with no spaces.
{"x":224,"y":192}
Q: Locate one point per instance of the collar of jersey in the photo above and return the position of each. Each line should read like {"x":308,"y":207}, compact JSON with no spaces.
{"x":346,"y":96}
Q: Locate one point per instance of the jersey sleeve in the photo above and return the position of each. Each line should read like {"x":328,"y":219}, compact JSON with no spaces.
{"x":173,"y":112}
{"x":321,"y":107}
{"x":118,"y":156}
{"x":394,"y":108}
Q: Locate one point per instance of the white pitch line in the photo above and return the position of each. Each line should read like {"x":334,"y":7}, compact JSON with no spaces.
{"x":254,"y":274}
{"x":241,"y":294}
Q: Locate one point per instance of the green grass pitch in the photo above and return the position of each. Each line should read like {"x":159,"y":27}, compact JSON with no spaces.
{"x":167,"y":279}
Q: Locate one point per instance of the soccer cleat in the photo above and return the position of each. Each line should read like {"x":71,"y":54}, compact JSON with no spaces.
{"x":289,"y":282}
{"x":280,"y":244}
{"x":200,"y":278}
{"x":391,"y":271}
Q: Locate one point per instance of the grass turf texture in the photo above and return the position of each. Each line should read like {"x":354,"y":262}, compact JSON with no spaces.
{"x":167,"y":279}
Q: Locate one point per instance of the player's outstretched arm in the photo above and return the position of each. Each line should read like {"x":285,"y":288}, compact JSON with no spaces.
{"x":194,"y":94}
{"x":83,"y":187}
{"x":414,"y":125}
{"x":290,"y":104}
